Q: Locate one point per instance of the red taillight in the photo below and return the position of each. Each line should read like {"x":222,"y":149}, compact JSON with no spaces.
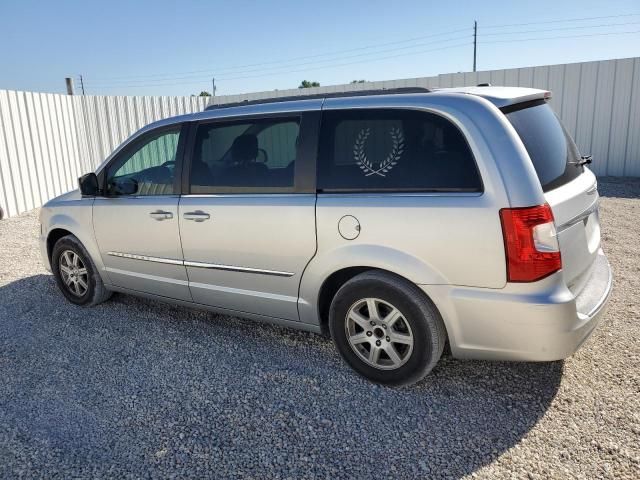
{"x":530,"y":243}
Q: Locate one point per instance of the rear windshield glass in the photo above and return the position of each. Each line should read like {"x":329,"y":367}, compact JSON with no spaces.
{"x":553,"y":152}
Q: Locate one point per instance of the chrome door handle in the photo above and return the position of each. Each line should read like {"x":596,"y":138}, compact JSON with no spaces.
{"x":197,"y":216}
{"x":161,"y":215}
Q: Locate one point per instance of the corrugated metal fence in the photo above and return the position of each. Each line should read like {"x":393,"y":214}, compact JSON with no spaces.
{"x":48,"y":140}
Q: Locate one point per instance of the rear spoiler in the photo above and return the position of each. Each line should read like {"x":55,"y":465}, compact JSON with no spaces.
{"x":502,"y":97}
{"x":514,"y":107}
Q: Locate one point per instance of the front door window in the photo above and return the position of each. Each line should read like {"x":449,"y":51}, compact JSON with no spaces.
{"x":148,"y":169}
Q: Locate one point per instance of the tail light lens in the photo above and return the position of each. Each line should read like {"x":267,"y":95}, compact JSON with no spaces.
{"x":530,"y":242}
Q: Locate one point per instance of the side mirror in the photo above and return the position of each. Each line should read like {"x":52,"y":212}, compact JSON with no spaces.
{"x":88,"y":185}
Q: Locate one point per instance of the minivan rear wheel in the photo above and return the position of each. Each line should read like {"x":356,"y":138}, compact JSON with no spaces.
{"x":386,"y":328}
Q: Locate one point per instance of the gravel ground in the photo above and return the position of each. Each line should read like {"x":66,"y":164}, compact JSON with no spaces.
{"x":137,"y":389}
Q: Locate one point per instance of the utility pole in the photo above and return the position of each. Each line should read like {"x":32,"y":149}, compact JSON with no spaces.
{"x":82,"y":84}
{"x":475,"y":43}
{"x":213,"y":90}
{"x":69,"y":82}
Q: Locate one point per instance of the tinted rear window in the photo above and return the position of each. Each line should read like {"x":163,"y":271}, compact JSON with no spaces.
{"x":255,"y":154}
{"x":553,"y":152}
{"x":393,"y":150}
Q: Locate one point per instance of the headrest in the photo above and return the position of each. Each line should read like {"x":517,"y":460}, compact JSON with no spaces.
{"x":244,"y":148}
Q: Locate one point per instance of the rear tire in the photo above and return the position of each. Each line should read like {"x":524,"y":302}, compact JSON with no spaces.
{"x":386,"y":328}
{"x":76,"y":274}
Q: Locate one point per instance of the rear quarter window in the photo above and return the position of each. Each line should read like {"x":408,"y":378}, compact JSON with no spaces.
{"x":553,"y":152}
{"x":393,"y":150}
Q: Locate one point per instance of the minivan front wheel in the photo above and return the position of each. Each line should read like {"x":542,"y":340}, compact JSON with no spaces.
{"x":386,"y":328}
{"x":75,"y":273}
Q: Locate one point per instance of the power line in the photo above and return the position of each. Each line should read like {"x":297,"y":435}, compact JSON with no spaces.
{"x":419,"y":52}
{"x":562,"y":21}
{"x":364,"y":61}
{"x":562,"y":28}
{"x":443,"y":48}
{"x":554,"y":38}
{"x":304,"y":57}
{"x":203,"y":81}
{"x":283,"y":66}
{"x":300,"y":70}
{"x":293,"y":71}
{"x":263,"y":71}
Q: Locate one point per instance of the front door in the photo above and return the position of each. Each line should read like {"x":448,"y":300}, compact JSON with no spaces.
{"x":248,"y":231}
{"x":136,"y":222}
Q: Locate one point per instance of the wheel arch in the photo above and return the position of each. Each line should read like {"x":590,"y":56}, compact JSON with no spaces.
{"x":59,"y":225}
{"x":330,"y":287}
{"x":336,"y":279}
{"x":341,"y":264}
{"x":54,"y":235}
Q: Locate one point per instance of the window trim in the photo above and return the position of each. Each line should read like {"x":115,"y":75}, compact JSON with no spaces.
{"x":305,"y":162}
{"x":346,"y":191}
{"x":134,"y":145}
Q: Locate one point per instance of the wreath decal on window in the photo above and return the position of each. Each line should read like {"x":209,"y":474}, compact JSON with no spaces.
{"x":367,"y":167}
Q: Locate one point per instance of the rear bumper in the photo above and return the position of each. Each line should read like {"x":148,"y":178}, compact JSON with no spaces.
{"x":543,"y":321}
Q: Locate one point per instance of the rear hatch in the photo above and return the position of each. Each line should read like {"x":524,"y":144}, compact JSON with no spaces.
{"x":570,"y":189}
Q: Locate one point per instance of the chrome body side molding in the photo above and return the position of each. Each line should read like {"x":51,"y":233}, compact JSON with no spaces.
{"x":213,"y":266}
{"x":233,"y":268}
{"x":146,"y":258}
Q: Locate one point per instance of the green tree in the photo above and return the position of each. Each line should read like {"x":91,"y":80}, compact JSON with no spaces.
{"x":308,"y":84}
{"x":204,"y":93}
{"x":358,"y":81}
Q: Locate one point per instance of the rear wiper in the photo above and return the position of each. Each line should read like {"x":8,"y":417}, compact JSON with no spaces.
{"x":584,"y":160}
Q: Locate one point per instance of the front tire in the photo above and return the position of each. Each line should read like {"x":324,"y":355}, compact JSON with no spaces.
{"x":76,"y":274}
{"x":386,"y":328}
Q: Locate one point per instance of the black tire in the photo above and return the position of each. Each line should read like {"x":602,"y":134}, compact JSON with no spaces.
{"x":422,"y":317}
{"x":95,"y":292}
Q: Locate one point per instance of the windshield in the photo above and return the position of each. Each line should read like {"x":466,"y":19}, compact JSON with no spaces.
{"x":553,"y":152}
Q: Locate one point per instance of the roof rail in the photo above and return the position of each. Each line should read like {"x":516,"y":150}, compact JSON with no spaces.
{"x":356,"y":93}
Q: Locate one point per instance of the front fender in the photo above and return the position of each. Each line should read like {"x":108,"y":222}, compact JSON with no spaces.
{"x":361,"y":255}
{"x":79,"y":223}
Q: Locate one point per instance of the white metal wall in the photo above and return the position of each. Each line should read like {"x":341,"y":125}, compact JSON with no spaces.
{"x":47,"y":140}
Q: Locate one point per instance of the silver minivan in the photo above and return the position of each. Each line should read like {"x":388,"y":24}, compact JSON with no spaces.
{"x":398,"y":221}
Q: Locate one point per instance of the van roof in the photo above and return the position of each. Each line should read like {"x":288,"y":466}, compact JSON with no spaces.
{"x":499,"y":96}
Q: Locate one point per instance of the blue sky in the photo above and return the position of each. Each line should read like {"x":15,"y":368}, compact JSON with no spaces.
{"x":166,"y":47}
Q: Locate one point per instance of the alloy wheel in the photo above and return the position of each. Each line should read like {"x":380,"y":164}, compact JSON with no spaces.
{"x":74,"y":273}
{"x":379,"y":333}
